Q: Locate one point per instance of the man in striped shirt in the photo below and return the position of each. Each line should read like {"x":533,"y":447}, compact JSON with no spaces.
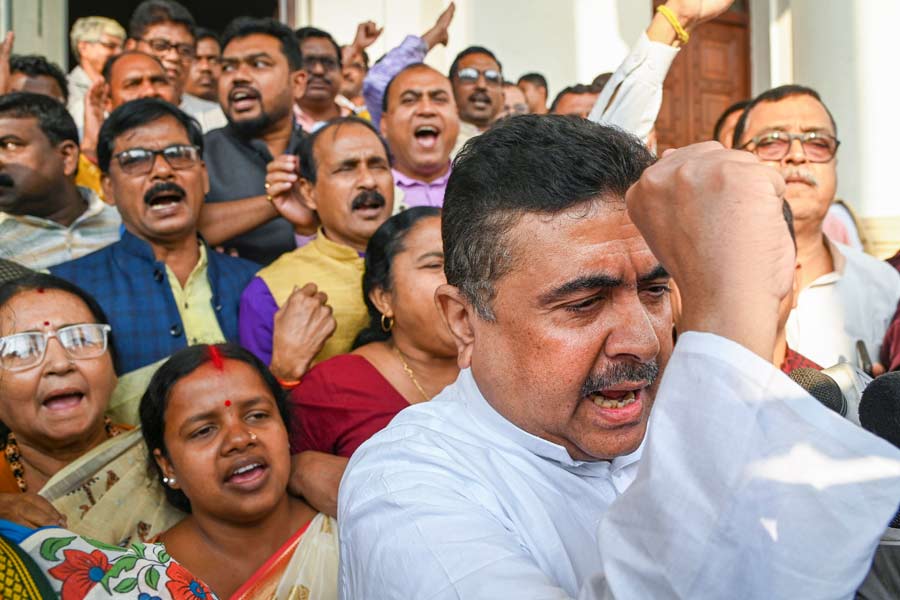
{"x":45,"y":219}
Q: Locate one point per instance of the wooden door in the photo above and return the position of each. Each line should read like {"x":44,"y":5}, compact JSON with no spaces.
{"x":710,"y":73}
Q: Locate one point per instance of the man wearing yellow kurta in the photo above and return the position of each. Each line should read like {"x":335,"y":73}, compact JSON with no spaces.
{"x":346,"y":181}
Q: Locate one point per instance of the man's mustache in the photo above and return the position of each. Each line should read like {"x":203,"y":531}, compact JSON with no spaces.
{"x":162,"y":188}
{"x":797,"y":173}
{"x":322,"y":78}
{"x":618,"y":373}
{"x":368,"y":199}
{"x":480,"y":96}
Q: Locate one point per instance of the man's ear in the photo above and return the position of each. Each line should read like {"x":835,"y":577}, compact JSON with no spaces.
{"x":69,"y":152}
{"x":298,"y":83}
{"x":106,"y":185}
{"x":308,"y":194}
{"x":107,"y":98}
{"x":458,"y":315}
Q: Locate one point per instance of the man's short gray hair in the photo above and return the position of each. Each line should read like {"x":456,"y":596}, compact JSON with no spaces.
{"x":90,"y":29}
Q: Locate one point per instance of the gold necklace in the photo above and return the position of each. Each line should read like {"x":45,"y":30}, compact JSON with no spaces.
{"x":409,"y":372}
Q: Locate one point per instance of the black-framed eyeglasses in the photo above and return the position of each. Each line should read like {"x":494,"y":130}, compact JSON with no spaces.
{"x":139,"y":161}
{"x":22,"y":351}
{"x":328,"y":63}
{"x":161,"y":46}
{"x":775,"y":145}
{"x":470,"y":75}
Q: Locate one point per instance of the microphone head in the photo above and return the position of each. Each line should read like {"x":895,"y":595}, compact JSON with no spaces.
{"x":879,"y":409}
{"x":821,"y":387}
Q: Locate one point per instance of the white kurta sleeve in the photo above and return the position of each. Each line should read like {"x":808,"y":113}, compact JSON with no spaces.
{"x":633,"y":95}
{"x":747,"y":488}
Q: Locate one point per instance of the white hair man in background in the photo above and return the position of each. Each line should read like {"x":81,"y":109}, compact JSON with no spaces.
{"x":93,"y":41}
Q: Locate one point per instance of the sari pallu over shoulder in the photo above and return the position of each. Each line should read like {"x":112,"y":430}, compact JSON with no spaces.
{"x":304,"y":568}
{"x":109,"y":495}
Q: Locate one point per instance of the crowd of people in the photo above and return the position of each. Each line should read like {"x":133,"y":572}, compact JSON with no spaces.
{"x":278,"y":320}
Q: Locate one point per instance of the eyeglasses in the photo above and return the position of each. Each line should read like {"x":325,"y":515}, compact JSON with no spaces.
{"x":470,"y":75}
{"x":774,"y":146}
{"x":22,"y":351}
{"x":105,"y":44}
{"x":328,"y":63}
{"x":161,"y":46}
{"x":139,"y":161}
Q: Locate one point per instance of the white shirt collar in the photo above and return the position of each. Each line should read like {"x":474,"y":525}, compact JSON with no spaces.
{"x":468,"y":392}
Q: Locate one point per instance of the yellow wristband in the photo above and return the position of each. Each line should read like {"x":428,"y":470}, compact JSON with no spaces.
{"x":665,"y":11}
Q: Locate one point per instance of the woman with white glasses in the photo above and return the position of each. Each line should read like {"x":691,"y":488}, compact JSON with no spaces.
{"x":62,"y":461}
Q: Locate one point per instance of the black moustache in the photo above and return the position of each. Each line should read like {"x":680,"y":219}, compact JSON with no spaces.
{"x":160,"y":188}
{"x":6,"y":180}
{"x":369,"y":197}
{"x":480,"y":96}
{"x":620,"y":373}
{"x":321,"y":78}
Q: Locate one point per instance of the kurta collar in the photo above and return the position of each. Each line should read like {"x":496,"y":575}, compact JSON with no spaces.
{"x":489,"y":417}
{"x":334,"y":250}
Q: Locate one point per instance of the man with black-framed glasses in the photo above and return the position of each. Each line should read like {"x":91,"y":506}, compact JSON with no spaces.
{"x":323,"y":65}
{"x":846,"y":295}
{"x":161,"y":286}
{"x":167,"y":30}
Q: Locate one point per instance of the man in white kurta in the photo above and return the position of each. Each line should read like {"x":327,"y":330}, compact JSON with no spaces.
{"x":846,"y":295}
{"x":530,"y":477}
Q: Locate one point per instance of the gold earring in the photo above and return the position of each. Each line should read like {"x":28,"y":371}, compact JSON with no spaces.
{"x":390,"y":323}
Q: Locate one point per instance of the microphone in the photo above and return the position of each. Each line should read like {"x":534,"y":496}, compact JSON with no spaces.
{"x":879,"y":409}
{"x":839,"y":388}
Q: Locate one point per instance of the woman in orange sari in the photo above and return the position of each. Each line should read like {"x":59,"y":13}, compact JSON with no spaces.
{"x":213,"y":419}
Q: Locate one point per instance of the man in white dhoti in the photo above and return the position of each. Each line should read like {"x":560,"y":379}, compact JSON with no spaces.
{"x":530,"y":477}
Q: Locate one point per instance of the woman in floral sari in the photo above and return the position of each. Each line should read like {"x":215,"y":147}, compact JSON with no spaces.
{"x":78,"y":568}
{"x":62,"y":461}
{"x":214,"y":420}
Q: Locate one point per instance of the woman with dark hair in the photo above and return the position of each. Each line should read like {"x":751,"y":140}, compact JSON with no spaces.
{"x":214,"y":421}
{"x":406,"y":355}
{"x":63,"y":461}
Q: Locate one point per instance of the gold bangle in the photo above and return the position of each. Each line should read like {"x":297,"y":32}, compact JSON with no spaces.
{"x":680,"y":31}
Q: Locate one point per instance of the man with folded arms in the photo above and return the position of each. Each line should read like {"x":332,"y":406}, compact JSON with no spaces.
{"x":530,"y":476}
{"x":161,"y":286}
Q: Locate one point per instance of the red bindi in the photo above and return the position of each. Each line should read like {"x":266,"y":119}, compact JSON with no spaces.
{"x":227,"y":403}
{"x":46,"y":323}
{"x":40,"y":290}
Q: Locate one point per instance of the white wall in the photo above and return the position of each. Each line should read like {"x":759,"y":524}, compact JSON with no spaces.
{"x":845,"y":50}
{"x":40,"y":26}
{"x":568,"y":41}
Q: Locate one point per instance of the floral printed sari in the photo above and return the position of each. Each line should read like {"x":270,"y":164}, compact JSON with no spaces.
{"x":79,"y":568}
